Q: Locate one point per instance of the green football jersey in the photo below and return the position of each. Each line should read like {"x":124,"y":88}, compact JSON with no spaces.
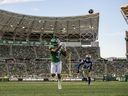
{"x":55,"y":56}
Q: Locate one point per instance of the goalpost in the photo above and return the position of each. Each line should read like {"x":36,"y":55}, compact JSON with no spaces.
{"x":73,"y":46}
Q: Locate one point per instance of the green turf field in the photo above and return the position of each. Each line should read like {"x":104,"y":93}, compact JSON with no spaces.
{"x":69,"y":89}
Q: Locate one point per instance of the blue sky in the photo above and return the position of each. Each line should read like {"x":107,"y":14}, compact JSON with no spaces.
{"x":112,"y":25}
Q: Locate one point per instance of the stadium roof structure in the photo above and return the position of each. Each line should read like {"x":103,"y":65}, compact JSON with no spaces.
{"x":124,"y":10}
{"x":20,"y":27}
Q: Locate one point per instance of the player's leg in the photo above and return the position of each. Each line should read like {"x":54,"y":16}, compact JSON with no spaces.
{"x":53,"y":73}
{"x":89,"y":80}
{"x":89,"y":77}
{"x":59,"y":69}
{"x":84,"y":75}
{"x":59,"y":81}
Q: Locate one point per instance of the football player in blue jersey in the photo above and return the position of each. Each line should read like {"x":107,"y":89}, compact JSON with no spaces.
{"x":86,"y":66}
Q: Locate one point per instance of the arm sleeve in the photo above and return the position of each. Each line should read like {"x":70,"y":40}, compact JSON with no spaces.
{"x":81,"y":63}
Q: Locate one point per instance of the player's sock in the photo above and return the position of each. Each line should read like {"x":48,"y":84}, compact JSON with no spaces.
{"x":53,"y":78}
{"x":59,"y":84}
{"x":89,"y":80}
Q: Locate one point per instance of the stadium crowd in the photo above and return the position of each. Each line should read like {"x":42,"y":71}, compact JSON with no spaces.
{"x":25,"y":61}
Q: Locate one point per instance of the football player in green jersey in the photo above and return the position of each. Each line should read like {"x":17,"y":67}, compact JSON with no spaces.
{"x":57,"y":49}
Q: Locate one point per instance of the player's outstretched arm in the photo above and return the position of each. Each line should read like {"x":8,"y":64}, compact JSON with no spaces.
{"x":55,"y":49}
{"x":64,"y":53}
{"x":63,"y":49}
{"x":79,"y":65}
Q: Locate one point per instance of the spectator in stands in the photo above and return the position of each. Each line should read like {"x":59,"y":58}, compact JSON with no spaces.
{"x":56,"y":50}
